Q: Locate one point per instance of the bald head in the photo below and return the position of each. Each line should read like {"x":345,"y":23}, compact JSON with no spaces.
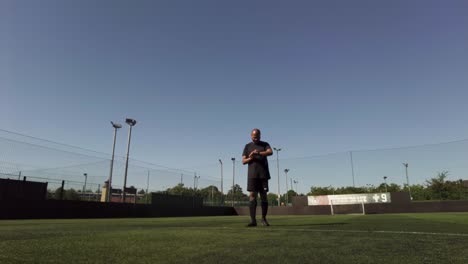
{"x":255,"y":135}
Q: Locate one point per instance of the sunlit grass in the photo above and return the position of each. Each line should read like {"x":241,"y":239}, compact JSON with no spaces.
{"x":403,"y":238}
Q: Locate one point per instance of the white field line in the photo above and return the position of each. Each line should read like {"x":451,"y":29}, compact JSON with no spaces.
{"x":268,"y":229}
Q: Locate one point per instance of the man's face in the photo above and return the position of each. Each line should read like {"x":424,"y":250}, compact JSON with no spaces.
{"x":255,"y":136}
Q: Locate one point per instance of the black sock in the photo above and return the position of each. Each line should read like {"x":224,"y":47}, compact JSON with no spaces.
{"x":264,"y":209}
{"x":253,"y":210}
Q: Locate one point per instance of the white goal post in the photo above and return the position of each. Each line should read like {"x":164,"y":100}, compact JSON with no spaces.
{"x":350,"y":209}
{"x":349,"y":203}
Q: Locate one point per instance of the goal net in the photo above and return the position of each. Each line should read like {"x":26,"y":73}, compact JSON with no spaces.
{"x":358,"y":208}
{"x":348,"y":203}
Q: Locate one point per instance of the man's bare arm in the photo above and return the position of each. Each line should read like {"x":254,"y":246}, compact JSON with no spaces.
{"x":246,"y":160}
{"x":266,"y":153}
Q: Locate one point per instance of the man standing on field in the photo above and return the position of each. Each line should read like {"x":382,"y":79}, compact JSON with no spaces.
{"x":255,"y":154}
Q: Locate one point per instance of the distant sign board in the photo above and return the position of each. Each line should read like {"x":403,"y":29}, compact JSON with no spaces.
{"x":365,"y":198}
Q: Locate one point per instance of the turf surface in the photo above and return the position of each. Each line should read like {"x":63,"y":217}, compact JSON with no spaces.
{"x":402,"y":238}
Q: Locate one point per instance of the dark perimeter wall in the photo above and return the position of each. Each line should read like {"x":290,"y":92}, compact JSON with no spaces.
{"x":22,"y":190}
{"x":162,"y":206}
{"x":166,"y":206}
{"x":401,"y":203}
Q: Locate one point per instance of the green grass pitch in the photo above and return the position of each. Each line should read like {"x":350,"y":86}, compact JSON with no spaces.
{"x":392,"y":238}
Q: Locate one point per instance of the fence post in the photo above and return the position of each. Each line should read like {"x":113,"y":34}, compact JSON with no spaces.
{"x":61,"y":190}
{"x":135,"y":202}
{"x":45,"y":191}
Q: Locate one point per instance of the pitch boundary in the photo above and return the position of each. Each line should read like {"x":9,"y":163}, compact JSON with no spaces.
{"x":345,"y":231}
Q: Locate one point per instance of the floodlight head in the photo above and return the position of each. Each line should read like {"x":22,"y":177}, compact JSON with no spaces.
{"x":85,"y":174}
{"x":130,"y":122}
{"x":115,"y":125}
{"x":277,"y":149}
{"x":385,"y":177}
{"x":233,"y":159}
{"x":286,"y":170}
{"x":220,"y":161}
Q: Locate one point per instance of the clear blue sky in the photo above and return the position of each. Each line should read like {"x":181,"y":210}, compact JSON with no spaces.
{"x":316,"y":77}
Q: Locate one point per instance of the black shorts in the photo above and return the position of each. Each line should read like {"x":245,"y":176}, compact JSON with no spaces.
{"x":257,"y":185}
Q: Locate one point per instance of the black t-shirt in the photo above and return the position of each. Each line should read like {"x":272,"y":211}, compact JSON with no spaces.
{"x":258,"y":167}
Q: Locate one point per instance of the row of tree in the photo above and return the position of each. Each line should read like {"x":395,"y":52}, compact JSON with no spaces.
{"x":437,"y":188}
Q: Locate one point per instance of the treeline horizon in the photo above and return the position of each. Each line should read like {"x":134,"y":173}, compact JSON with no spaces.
{"x":437,"y":188}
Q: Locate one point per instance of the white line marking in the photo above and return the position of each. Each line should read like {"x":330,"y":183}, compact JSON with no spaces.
{"x":343,"y":231}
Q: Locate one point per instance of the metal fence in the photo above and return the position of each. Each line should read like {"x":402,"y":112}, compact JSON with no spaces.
{"x":45,"y":161}
{"x":85,"y":171}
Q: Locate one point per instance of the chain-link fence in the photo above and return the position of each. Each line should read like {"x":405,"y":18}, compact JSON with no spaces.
{"x":83,"y":172}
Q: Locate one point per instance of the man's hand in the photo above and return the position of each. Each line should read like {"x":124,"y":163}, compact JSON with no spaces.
{"x":254,"y":152}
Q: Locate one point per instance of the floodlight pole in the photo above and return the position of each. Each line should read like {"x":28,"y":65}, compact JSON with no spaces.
{"x":109,"y":182}
{"x":131,"y":123}
{"x":194,"y":180}
{"x":233,"y":175}
{"x":385,"y":180}
{"x":277,"y":167}
{"x":352,"y":166}
{"x":147,"y":186}
{"x":221,"y":164}
{"x":286,"y":175}
{"x":407,"y":180}
{"x":86,"y":179}
{"x":222,"y":192}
